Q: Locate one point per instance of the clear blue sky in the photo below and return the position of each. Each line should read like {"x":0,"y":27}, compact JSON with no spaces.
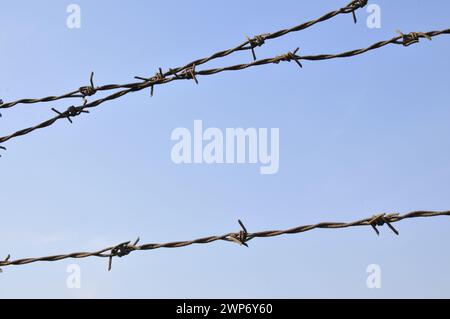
{"x":358,"y":137}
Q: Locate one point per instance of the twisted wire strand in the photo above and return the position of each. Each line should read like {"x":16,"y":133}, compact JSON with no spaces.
{"x":290,"y":56}
{"x":250,"y":44}
{"x":242,"y":237}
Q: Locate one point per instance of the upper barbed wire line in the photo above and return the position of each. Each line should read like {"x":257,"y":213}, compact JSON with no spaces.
{"x":242,"y":237}
{"x":407,"y":39}
{"x":250,"y":44}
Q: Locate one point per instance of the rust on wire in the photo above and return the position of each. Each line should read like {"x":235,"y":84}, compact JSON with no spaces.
{"x":290,"y":56}
{"x":156,"y":79}
{"x":412,"y":37}
{"x":190,"y":74}
{"x":122,"y":250}
{"x":242,"y":238}
{"x":88,"y":90}
{"x":355,"y":5}
{"x":257,"y":41}
{"x":380,"y":220}
{"x":70,"y":112}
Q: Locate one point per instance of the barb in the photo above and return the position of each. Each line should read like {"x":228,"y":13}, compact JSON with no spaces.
{"x":288,"y":57}
{"x":242,"y":237}
{"x":191,"y":73}
{"x":380,"y":220}
{"x":5,"y":260}
{"x":355,"y":5}
{"x":159,"y":76}
{"x":250,"y":44}
{"x":88,"y":90}
{"x":70,"y":112}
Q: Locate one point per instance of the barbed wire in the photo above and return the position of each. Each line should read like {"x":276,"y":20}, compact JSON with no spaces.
{"x":250,"y":44}
{"x":241,"y":237}
{"x":191,"y":74}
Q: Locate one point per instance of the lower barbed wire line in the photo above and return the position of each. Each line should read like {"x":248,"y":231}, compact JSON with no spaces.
{"x":250,"y":44}
{"x":290,"y":56}
{"x":242,"y":237}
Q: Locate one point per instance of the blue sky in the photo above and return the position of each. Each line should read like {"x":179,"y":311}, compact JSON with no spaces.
{"x":358,"y":137}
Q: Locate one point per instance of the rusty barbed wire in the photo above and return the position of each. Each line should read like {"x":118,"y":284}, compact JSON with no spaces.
{"x":250,"y":44}
{"x":242,"y":238}
{"x":191,"y":74}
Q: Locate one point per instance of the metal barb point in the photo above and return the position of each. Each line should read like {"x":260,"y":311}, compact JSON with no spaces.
{"x":355,"y":5}
{"x":290,"y":56}
{"x":88,"y":90}
{"x":412,"y":37}
{"x":70,"y":112}
{"x":354,"y":17}
{"x":256,"y":41}
{"x":62,"y":115}
{"x":190,"y":73}
{"x":120,"y":251}
{"x":296,"y":58}
{"x":141,"y":78}
{"x":3,"y":148}
{"x":380,"y":220}
{"x":241,"y":237}
{"x":4,"y":262}
{"x":92,"y":79}
{"x":159,"y":76}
